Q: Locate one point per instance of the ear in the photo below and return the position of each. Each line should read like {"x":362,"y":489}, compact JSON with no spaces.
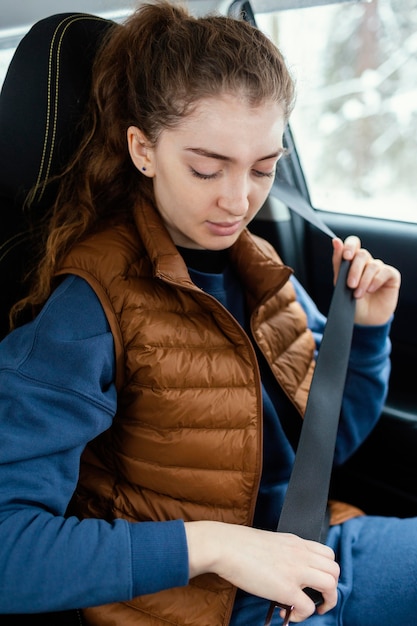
{"x":140,"y":150}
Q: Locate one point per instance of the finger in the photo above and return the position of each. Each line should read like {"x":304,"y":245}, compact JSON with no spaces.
{"x":321,"y":549}
{"x":337,"y":255}
{"x":344,"y":250}
{"x":351,"y":245}
{"x":322,"y":564}
{"x":323,"y":581}
{"x":384,"y":276}
{"x":359,"y":263}
{"x":301,"y":611}
{"x":372,"y":278}
{"x":304,"y":607}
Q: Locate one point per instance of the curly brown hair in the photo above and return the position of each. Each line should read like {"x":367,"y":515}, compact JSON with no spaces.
{"x":150,"y":72}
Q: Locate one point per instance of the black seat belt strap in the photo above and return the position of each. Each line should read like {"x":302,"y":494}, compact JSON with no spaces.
{"x":293,"y":199}
{"x":304,"y":508}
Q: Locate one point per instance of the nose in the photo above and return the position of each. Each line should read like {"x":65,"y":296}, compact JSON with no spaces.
{"x":234,"y":197}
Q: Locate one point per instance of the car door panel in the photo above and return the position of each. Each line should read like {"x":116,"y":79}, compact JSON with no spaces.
{"x":380,"y":476}
{"x":395,"y":243}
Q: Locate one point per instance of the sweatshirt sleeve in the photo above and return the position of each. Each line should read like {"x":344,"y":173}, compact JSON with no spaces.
{"x":56,"y":394}
{"x":366,"y":380}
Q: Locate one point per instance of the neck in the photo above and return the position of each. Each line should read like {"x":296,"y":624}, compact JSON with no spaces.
{"x":209,"y":261}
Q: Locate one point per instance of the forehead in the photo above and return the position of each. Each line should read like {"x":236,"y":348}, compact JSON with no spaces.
{"x":229,"y":124}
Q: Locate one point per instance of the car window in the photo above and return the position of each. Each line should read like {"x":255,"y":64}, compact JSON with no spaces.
{"x":355,"y":122}
{"x":8,"y":41}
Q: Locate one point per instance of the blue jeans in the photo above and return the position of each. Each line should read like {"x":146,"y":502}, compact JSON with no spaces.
{"x":378,"y":581}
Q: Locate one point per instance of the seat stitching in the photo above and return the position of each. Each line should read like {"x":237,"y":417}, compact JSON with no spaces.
{"x":71,"y":20}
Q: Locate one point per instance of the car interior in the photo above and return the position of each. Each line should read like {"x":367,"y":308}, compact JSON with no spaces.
{"x":42,"y":98}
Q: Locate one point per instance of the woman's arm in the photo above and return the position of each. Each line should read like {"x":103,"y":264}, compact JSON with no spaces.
{"x":56,"y":394}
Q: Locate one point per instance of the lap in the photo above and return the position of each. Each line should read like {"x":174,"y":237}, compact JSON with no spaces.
{"x":378,"y":558}
{"x":378,"y":582}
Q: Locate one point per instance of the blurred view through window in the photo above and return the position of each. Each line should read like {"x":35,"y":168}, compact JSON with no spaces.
{"x":355,"y":122}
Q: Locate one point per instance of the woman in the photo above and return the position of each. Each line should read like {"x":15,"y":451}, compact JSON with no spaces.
{"x":144,"y":463}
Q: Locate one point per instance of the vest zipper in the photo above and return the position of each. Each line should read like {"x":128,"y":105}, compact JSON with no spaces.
{"x":254,"y":360}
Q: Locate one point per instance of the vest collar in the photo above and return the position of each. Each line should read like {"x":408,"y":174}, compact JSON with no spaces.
{"x":262,"y":277}
{"x":265,"y":275}
{"x":168,"y":264}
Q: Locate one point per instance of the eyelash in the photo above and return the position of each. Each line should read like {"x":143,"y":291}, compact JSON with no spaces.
{"x":202,"y":176}
{"x":265,"y":174}
{"x":213,"y":176}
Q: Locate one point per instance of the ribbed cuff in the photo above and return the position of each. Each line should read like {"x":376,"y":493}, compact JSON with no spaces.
{"x":159,"y":556}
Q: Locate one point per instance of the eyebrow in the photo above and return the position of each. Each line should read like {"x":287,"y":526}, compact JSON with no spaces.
{"x":221,"y":157}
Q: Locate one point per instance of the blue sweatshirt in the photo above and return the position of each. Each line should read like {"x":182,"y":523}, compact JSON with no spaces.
{"x":57,"y":393}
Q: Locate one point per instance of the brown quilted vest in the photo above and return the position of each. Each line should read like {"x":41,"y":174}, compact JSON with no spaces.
{"x":187,"y":438}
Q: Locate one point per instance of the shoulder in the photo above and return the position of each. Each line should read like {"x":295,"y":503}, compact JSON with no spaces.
{"x":74,"y":310}
{"x":265,"y":247}
{"x":66,"y":345}
{"x":116,"y":247}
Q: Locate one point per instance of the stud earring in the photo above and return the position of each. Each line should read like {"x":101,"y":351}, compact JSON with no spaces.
{"x":143,"y":169}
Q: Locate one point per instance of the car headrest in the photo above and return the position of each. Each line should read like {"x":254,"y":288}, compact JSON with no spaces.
{"x":43,"y":96}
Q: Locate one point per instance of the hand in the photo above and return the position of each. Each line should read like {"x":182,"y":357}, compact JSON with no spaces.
{"x":275,"y":566}
{"x":375,"y":285}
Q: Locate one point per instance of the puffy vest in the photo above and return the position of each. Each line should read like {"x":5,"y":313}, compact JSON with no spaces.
{"x":186,"y":441}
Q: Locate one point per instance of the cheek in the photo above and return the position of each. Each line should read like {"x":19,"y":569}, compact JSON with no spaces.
{"x":199,"y":200}
{"x":257,"y":198}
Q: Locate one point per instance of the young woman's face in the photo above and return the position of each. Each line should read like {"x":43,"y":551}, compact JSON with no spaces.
{"x":213,"y":172}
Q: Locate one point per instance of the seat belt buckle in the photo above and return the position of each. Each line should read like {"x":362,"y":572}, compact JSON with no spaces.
{"x":314,"y":595}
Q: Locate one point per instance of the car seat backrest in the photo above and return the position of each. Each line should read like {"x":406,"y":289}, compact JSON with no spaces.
{"x":43,"y":96}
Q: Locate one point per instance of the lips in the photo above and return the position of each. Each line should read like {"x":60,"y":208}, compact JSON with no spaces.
{"x":224,"y":229}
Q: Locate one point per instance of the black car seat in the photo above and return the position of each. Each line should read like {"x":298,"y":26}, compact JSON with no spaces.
{"x":41,"y":102}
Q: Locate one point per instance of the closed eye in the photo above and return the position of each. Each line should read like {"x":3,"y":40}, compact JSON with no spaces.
{"x":202,"y":176}
{"x":264,"y":174}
